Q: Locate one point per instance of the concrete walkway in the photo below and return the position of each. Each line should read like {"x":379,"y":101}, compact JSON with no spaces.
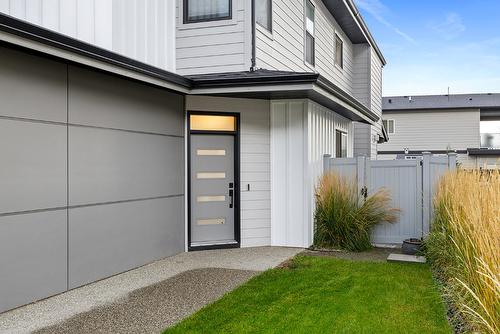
{"x":183,"y":282}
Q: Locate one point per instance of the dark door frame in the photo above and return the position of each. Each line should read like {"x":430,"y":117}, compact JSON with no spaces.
{"x":236,"y":135}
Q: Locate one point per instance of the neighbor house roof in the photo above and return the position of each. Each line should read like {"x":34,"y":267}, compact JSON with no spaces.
{"x":433,"y":102}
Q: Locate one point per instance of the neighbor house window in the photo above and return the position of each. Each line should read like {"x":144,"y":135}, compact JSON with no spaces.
{"x":490,"y":134}
{"x":310,"y":33}
{"x":264,"y":13}
{"x":206,"y":10}
{"x":339,"y":51}
{"x":340,"y":144}
{"x":389,"y":125}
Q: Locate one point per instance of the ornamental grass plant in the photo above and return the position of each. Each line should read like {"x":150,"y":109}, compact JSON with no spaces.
{"x":464,"y":246}
{"x":342,"y":219}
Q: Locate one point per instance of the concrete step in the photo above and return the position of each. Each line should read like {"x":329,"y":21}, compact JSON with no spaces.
{"x":406,"y":258}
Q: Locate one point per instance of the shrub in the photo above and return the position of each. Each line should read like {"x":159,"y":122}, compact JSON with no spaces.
{"x":341,"y":221}
{"x":464,"y":245}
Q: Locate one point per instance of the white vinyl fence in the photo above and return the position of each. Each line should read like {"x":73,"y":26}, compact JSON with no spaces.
{"x":411,"y":184}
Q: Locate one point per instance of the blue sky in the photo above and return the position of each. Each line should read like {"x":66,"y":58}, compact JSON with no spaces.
{"x":431,"y":45}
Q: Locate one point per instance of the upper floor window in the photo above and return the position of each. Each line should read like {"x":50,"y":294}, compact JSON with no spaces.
{"x":264,"y":13}
{"x":389,"y":125}
{"x":206,"y":10}
{"x":310,"y":56}
{"x":339,"y":51}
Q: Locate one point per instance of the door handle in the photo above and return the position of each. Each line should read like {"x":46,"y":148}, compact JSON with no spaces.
{"x":231,"y":197}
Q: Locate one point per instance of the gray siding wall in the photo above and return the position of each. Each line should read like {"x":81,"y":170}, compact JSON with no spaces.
{"x":255,"y":162}
{"x":437,"y":130}
{"x":217,"y":46}
{"x":92,"y":176}
{"x":376,"y":99}
{"x":362,"y":139}
{"x":361,"y":81}
{"x":284,"y":48}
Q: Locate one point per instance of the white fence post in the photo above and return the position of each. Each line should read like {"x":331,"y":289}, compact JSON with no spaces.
{"x":426,"y":193}
{"x":361,"y":176}
{"x":326,"y":162}
{"x":452,"y":161}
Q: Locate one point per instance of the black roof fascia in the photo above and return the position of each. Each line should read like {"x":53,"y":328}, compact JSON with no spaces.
{"x":32,"y":32}
{"x":347,"y":98}
{"x":483,"y":151}
{"x":239,"y":79}
{"x":221,"y":80}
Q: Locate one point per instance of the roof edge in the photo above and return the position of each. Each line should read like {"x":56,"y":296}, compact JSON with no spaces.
{"x":346,"y":97}
{"x":36,"y":33}
{"x":357,"y":15}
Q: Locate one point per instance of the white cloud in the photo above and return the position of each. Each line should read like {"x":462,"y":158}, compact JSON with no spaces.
{"x":451,"y":27}
{"x":378,"y":10}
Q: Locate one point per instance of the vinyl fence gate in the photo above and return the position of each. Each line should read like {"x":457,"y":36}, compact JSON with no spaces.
{"x":411,"y":184}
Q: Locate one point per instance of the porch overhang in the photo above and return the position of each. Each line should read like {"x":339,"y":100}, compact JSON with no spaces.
{"x":265,"y":84}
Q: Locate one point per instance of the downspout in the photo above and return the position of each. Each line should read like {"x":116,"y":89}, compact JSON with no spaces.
{"x":253,"y":66}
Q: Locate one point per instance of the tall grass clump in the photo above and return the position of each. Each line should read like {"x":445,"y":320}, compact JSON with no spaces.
{"x":342,"y":220}
{"x":464,"y":246}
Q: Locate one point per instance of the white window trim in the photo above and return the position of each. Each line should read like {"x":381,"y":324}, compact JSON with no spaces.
{"x":343,"y":133}
{"x":311,"y":66}
{"x":264,"y":29}
{"x":337,"y":65}
{"x":393,"y":126}
{"x":265,"y":32}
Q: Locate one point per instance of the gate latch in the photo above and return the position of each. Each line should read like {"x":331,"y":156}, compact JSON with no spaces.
{"x":364,"y":192}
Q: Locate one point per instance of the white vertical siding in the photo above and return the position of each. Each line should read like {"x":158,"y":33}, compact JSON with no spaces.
{"x":288,"y":167}
{"x":255,"y":162}
{"x":302,"y":131}
{"x":321,"y":126}
{"x":142,"y":30}
{"x":217,"y":46}
{"x":284,"y":49}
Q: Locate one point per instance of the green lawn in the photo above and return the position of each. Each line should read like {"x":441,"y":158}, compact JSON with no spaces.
{"x":327,"y":295}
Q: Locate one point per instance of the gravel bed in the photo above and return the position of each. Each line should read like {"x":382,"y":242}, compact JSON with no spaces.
{"x":156,"y":307}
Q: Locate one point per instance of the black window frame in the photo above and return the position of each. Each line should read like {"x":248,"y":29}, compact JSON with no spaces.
{"x":338,"y":41}
{"x":186,"y":20}
{"x":307,"y":33}
{"x":270,"y":18}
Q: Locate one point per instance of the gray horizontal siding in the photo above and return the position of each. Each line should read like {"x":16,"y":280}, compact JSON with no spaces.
{"x":453,"y":129}
{"x":361,"y":80}
{"x":362,"y":139}
{"x":284,"y":50}
{"x":217,"y":46}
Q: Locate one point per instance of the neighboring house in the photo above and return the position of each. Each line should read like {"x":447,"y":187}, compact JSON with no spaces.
{"x":468,"y":124}
{"x":111,"y":161}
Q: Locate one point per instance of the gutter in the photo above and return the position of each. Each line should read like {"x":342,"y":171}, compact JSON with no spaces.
{"x":253,"y":66}
{"x":365,"y":29}
{"x":333,"y":89}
